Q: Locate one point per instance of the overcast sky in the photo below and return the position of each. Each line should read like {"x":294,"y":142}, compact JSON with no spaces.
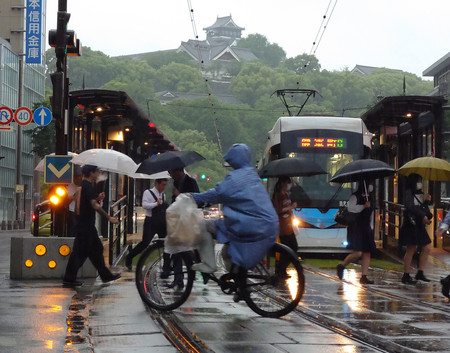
{"x":408,"y":35}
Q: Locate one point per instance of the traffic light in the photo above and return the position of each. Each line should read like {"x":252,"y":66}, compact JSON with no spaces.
{"x":57,"y":99}
{"x":57,"y":196}
{"x":63,"y":40}
{"x":203,"y":176}
{"x":74,"y":50}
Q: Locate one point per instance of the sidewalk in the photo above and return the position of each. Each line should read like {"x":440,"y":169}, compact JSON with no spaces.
{"x":41,"y":315}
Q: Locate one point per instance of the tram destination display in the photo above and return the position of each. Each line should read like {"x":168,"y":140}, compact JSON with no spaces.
{"x":322,"y":142}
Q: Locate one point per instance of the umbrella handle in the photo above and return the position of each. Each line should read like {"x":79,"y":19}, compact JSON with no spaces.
{"x":365,"y":189}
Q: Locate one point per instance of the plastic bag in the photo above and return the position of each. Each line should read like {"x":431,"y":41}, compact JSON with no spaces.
{"x":206,"y":252}
{"x":184,"y":225}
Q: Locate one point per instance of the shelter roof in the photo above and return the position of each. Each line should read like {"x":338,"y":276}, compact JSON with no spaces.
{"x":119,"y":110}
{"x":438,"y":65}
{"x":394,"y":110}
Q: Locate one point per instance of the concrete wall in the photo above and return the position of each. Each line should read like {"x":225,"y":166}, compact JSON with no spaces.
{"x":43,"y":257}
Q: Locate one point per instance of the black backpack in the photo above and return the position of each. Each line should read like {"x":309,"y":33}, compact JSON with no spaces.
{"x":158,"y":222}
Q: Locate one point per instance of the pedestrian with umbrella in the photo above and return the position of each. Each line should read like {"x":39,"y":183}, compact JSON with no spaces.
{"x":417,"y":215}
{"x":360,"y":234}
{"x":283,"y":206}
{"x":174,"y":162}
{"x":282,"y":198}
{"x":413,"y":233}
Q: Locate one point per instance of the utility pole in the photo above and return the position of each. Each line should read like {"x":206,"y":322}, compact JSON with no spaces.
{"x":65,"y":43}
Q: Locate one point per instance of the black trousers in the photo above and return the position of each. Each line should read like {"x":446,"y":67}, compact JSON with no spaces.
{"x":71,"y":223}
{"x":147,"y":236}
{"x":291,"y":242}
{"x":86,"y":245}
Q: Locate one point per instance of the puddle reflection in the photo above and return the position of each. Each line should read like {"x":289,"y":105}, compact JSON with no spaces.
{"x":351,"y":293}
{"x":292,"y":282}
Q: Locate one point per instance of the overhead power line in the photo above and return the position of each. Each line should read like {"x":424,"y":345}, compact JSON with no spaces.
{"x":203,"y":71}
{"x":321,"y":31}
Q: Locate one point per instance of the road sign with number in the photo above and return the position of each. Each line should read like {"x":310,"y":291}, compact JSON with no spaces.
{"x":6,"y":115}
{"x":23,"y":116}
{"x":42,"y":116}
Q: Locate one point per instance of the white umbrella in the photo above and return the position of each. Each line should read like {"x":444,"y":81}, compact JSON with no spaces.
{"x":41,"y":165}
{"x":107,"y":160}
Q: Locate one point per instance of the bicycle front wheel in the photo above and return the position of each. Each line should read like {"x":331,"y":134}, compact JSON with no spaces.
{"x":164,"y":282}
{"x":274,"y":287}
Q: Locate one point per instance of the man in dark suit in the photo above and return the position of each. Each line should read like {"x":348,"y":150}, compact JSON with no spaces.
{"x":182,"y":183}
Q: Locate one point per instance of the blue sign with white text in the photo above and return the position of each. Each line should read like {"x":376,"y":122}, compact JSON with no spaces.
{"x":33,"y":32}
{"x":42,"y":116}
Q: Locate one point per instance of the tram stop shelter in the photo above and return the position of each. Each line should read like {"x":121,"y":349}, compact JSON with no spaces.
{"x":405,"y":127}
{"x":111,"y":119}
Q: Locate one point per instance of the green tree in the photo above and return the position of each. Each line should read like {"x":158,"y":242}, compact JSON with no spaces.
{"x":302,"y":63}
{"x":180,"y":78}
{"x":160,"y":58}
{"x":255,"y":80}
{"x":270,"y":54}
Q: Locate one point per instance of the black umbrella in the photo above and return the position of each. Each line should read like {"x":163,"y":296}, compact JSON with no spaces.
{"x":169,"y":160}
{"x":362,"y":169}
{"x":290,"y":167}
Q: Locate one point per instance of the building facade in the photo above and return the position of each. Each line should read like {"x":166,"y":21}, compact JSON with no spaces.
{"x":22,"y":85}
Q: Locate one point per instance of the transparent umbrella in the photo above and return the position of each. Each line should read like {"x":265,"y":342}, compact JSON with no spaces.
{"x":106,"y":160}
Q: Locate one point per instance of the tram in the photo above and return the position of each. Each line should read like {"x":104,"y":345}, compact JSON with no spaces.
{"x":331,"y":142}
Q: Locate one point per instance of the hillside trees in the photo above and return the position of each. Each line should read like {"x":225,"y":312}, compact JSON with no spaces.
{"x":270,"y":54}
{"x":253,"y":83}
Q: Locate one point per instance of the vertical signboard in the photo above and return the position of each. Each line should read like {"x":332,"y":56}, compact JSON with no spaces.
{"x":33,"y":32}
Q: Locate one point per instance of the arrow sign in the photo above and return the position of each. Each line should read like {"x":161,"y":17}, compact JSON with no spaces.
{"x":42,"y":116}
{"x":58,"y":170}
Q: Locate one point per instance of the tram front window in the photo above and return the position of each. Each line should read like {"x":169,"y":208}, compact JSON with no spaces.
{"x":316,"y":191}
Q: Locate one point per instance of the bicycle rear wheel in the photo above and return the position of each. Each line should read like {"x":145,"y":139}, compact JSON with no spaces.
{"x":271,"y":290}
{"x":155,"y":287}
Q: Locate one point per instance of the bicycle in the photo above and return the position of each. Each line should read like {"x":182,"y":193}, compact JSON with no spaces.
{"x":267,"y":290}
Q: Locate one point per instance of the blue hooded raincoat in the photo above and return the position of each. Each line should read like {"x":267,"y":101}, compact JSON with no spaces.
{"x":250,"y":223}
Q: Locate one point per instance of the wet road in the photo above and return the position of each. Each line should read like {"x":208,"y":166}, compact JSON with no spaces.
{"x":33,"y":313}
{"x":388,"y":316}
{"x":334,"y":316}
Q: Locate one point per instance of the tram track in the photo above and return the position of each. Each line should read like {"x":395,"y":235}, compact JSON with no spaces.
{"x":177,"y":333}
{"x":339,"y":326}
{"x":186,"y":341}
{"x":382,"y":293}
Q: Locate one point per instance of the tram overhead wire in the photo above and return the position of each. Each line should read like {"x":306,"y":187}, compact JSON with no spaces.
{"x":202,"y":69}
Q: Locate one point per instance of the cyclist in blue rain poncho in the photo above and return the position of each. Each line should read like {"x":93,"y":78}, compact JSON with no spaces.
{"x":250,"y":223}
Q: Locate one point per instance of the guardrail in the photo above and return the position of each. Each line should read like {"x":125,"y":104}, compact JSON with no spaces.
{"x":38,"y":213}
{"x":118,"y":232}
{"x":391,"y":220}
